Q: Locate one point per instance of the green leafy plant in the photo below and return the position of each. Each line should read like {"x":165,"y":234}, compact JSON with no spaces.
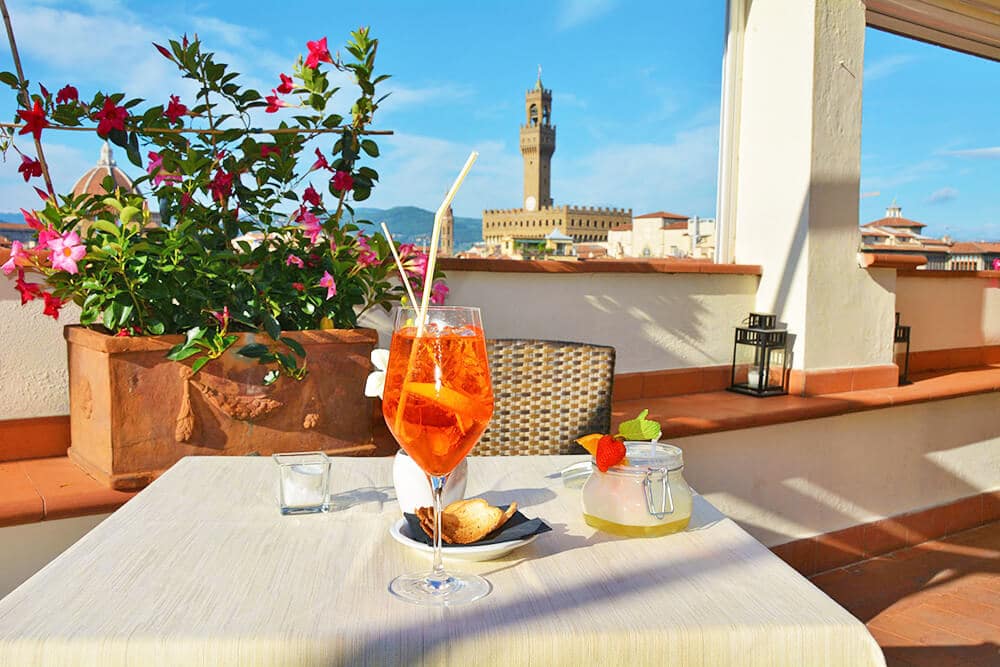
{"x":256,"y":231}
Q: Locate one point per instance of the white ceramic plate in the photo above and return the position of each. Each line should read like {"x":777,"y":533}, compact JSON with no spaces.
{"x":400,"y":532}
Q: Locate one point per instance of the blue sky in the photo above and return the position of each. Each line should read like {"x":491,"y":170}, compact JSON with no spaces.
{"x":635,"y":84}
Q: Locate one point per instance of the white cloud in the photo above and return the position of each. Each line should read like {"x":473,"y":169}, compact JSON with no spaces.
{"x":66,"y":165}
{"x":885,"y":67}
{"x":990,"y":153}
{"x":401,"y":96}
{"x":577,"y":12}
{"x":418,"y":170}
{"x":678,"y":176}
{"x":943,"y":195}
{"x":890,"y":177}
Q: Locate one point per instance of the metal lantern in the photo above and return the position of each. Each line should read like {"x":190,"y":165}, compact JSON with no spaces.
{"x":901,"y":348}
{"x":760,"y":360}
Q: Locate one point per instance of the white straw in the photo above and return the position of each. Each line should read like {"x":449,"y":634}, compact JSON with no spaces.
{"x":435,"y":240}
{"x":399,"y":265}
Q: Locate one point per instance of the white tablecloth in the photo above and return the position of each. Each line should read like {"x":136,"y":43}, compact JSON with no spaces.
{"x":201,"y":569}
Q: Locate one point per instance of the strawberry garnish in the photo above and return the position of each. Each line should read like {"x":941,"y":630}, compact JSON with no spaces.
{"x":610,"y":452}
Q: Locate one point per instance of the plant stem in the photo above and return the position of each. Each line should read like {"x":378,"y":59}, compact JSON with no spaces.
{"x":207,"y":131}
{"x":25,"y":97}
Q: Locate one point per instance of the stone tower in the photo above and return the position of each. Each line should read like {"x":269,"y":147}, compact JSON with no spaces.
{"x":538,"y":142}
{"x":446,"y":248}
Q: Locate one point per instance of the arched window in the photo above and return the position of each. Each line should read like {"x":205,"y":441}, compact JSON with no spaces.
{"x":533,"y":115}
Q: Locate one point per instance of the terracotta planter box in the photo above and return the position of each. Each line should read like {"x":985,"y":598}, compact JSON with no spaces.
{"x":134,"y":413}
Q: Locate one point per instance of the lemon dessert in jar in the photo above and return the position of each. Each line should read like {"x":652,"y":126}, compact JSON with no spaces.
{"x":638,"y":487}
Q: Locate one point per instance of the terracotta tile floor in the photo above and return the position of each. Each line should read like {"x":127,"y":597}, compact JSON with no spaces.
{"x":937,"y":603}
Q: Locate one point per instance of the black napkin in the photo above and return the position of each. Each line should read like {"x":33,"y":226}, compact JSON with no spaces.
{"x":518,"y":527}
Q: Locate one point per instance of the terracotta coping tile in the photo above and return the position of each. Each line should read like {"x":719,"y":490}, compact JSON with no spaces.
{"x":19,"y":501}
{"x":597,"y":266}
{"x":34,"y":438}
{"x":67,"y":491}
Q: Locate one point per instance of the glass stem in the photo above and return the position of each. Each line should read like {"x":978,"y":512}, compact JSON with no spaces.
{"x":437,"y":488}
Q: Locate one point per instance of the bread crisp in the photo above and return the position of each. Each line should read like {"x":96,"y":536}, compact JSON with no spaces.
{"x":465,"y":521}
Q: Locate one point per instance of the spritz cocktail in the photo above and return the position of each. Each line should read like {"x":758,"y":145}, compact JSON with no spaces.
{"x":437,"y":402}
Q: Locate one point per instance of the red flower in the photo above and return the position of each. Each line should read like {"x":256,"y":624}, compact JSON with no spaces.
{"x":286,"y":84}
{"x":42,"y":194}
{"x":29,"y":291}
{"x":111,"y":117}
{"x":269,"y":149}
{"x":30,"y":168}
{"x":52,"y":305}
{"x":67,"y":94}
{"x":342,"y":181}
{"x":175,"y":109}
{"x":310,"y":196}
{"x":318,"y":53}
{"x":34,"y":120}
{"x":32,"y":220}
{"x":273,"y":103}
{"x":163,"y":51}
{"x":186,"y":200}
{"x":221,"y":185}
{"x":320,"y":162}
{"x":299,"y":286}
{"x":45,"y":91}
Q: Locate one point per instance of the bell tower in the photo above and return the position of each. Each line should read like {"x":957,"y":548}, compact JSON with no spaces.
{"x":538,"y":142}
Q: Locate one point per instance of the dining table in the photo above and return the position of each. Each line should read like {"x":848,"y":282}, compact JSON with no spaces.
{"x":201,"y":568}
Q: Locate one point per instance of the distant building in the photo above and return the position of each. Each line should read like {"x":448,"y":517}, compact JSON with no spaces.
{"x":446,"y":244}
{"x":92,"y":181}
{"x":539,"y":217}
{"x":663,"y":234}
{"x":897,"y":235}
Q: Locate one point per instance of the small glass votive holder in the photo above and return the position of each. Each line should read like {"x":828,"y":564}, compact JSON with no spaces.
{"x":303,"y":482}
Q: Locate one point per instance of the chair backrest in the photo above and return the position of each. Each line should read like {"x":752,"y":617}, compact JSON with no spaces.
{"x":546,"y":394}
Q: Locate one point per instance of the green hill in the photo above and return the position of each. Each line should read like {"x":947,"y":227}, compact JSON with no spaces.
{"x":410,"y":224}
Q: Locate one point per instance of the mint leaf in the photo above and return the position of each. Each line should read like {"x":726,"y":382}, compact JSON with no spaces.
{"x":640,"y":428}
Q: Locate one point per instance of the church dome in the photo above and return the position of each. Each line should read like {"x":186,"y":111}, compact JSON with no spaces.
{"x":91,"y":182}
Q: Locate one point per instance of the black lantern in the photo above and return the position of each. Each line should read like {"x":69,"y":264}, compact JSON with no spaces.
{"x":901,"y":348}
{"x":760,"y":360}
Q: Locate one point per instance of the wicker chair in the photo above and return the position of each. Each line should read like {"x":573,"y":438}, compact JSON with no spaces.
{"x":546,"y":394}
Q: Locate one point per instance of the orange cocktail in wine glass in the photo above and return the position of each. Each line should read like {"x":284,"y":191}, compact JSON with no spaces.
{"x":437,"y":402}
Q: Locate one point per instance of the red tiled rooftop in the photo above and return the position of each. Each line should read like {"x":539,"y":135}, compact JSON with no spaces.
{"x":894,"y":222}
{"x":663,"y":214}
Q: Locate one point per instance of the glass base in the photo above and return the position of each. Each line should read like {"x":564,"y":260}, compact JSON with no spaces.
{"x":450,"y":590}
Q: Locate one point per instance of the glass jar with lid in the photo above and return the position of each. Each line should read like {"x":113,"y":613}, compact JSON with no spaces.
{"x":643,"y":496}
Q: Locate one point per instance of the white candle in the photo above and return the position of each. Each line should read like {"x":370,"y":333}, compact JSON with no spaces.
{"x":753,"y":378}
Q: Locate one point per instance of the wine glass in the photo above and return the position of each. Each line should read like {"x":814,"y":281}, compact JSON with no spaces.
{"x":437,"y":402}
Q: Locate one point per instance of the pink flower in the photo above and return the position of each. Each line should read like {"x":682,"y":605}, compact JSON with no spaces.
{"x":416,"y":264}
{"x":366,"y":256}
{"x":52,"y":305}
{"x":327,"y":282}
{"x":34,"y":120}
{"x":318,"y":53}
{"x":269,"y":149}
{"x":221,"y":185}
{"x":67,"y":94}
{"x":287,"y":85}
{"x":439,"y":292}
{"x":343,"y":181}
{"x":310,"y":196}
{"x":110,"y":117}
{"x":46,"y":235}
{"x":294,"y":259}
{"x":320,"y":162}
{"x":996,"y":263}
{"x":175,"y":109}
{"x":17,"y":258}
{"x":156,"y":165}
{"x":29,"y":291}
{"x":310,"y":223}
{"x":273,"y":102}
{"x":66,"y":252}
{"x":30,"y":168}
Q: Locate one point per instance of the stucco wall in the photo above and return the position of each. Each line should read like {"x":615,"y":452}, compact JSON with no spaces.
{"x":801,"y":479}
{"x":655,"y":321}
{"x":28,"y":548}
{"x":949,"y":312}
{"x":33,"y":379}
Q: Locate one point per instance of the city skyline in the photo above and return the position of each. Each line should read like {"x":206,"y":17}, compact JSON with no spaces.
{"x":635,"y":97}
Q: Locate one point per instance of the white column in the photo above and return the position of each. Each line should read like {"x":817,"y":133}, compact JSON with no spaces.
{"x":797,"y":181}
